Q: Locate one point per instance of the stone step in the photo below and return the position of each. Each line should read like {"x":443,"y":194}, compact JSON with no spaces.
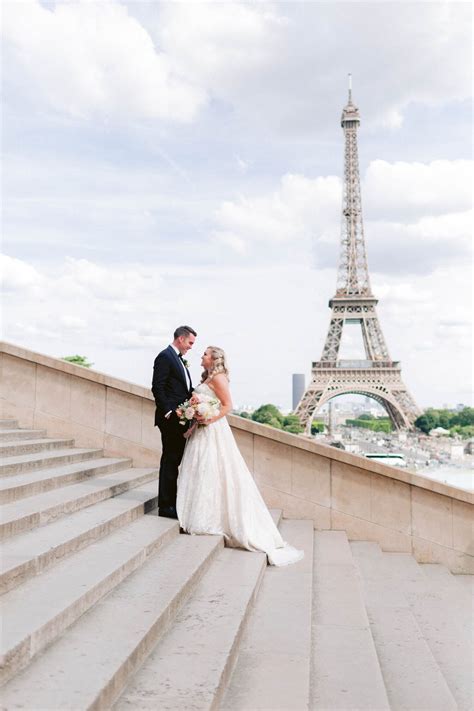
{"x":38,"y":611}
{"x":345,"y":668}
{"x":24,"y":515}
{"x":444,"y":616}
{"x":29,"y":462}
{"x":8,"y":424}
{"x":89,"y":665}
{"x":467,"y":583}
{"x":273,"y":666}
{"x":412,"y":677}
{"x":448,"y":584}
{"x":33,"y":552}
{"x":12,"y":435}
{"x":13,"y":449}
{"x":21,"y":486}
{"x":208,"y":628}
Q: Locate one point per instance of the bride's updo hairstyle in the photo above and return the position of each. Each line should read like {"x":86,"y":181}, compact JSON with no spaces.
{"x":219,"y":364}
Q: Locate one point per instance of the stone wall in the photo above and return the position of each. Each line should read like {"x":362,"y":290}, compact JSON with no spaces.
{"x":335,"y":489}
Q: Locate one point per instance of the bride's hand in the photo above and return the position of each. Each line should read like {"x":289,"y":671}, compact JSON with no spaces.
{"x":203,"y":421}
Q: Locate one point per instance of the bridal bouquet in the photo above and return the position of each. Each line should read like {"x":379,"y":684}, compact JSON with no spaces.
{"x":204,"y":406}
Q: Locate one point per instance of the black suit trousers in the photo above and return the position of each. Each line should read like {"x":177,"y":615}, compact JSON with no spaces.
{"x":173,"y":443}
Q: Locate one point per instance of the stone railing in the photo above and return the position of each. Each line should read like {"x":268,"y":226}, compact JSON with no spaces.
{"x":335,"y":489}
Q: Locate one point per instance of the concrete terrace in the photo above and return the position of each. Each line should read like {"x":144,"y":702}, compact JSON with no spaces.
{"x":107,"y":606}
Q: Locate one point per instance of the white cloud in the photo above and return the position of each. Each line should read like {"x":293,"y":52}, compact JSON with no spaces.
{"x":426,"y":324}
{"x":421,"y":246}
{"x":275,"y":62}
{"x":117,"y":284}
{"x":289,"y":214}
{"x":221,"y":45}
{"x":17,"y":274}
{"x":80,"y":296}
{"x":282,"y":66}
{"x":72,"y":323}
{"x":432,"y":38}
{"x":92,"y":58}
{"x":403,"y":188}
{"x":419,"y":231}
{"x":236,"y":244}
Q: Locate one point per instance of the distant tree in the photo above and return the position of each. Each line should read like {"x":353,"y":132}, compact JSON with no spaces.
{"x":378,"y":424}
{"x":427,"y":421}
{"x":317,"y":427}
{"x":365,"y":424}
{"x":291,"y":423}
{"x":78,"y":360}
{"x":444,"y":418}
{"x":275,"y":422}
{"x":365,"y":416}
{"x":464,"y":431}
{"x":245,"y":415}
{"x":382,"y":426}
{"x":464,"y":417}
{"x":456,"y":422}
{"x":268,"y":415}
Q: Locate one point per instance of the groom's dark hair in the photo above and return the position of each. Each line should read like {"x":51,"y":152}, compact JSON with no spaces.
{"x":184,"y":331}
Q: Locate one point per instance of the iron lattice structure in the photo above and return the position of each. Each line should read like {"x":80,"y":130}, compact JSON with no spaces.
{"x":377,"y":376}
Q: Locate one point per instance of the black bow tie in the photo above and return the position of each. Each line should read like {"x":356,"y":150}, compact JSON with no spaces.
{"x":180,"y":356}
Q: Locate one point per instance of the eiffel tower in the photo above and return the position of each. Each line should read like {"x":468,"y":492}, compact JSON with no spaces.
{"x":377,"y":376}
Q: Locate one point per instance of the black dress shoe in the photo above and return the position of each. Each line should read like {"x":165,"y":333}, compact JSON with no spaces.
{"x":169,"y":512}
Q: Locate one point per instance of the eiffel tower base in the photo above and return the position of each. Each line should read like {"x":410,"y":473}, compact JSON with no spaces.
{"x":381,"y":382}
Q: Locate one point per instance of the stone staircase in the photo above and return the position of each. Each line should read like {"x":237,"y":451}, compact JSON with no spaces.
{"x":107,"y":606}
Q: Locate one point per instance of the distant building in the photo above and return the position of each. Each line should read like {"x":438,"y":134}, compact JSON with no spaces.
{"x":298,"y":388}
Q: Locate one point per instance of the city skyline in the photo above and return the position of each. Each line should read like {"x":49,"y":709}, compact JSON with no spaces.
{"x":195,"y":178}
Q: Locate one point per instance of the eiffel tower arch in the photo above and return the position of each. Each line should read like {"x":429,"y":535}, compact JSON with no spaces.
{"x":376,"y":376}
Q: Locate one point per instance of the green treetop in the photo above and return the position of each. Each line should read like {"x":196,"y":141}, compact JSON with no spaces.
{"x":78,"y":360}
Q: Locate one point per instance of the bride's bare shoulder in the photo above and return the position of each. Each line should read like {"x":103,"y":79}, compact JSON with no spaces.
{"x":220,"y":381}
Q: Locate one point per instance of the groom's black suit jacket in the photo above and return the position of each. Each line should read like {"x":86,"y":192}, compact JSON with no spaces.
{"x":169,"y":386}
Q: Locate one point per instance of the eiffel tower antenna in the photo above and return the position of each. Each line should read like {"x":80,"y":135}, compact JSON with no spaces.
{"x":377,"y":376}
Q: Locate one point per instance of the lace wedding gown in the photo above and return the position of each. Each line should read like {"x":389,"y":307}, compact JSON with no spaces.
{"x":217,"y":494}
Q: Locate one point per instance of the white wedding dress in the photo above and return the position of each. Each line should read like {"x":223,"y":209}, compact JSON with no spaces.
{"x":217,"y":494}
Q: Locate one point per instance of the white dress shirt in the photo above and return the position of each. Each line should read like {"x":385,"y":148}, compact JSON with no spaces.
{"x":188,"y":379}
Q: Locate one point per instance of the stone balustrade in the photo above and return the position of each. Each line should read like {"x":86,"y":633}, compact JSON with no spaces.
{"x":336,"y":490}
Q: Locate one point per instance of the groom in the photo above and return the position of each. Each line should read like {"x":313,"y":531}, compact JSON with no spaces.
{"x":171,"y":386}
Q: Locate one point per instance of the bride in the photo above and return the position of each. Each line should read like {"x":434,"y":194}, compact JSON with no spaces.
{"x":216,"y":491}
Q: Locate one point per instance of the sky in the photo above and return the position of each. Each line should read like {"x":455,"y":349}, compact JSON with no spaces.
{"x":180,"y":163}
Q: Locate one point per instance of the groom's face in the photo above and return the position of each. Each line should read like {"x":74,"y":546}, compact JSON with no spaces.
{"x":185,"y":343}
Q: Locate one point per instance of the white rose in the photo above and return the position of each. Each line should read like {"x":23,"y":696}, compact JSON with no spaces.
{"x":189,"y":413}
{"x":203,"y":408}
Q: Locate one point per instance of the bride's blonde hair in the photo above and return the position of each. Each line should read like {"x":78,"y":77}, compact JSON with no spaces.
{"x":219,"y":364}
